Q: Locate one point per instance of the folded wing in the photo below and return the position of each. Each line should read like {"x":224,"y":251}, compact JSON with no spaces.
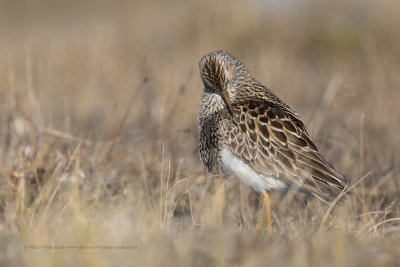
{"x":270,"y":137}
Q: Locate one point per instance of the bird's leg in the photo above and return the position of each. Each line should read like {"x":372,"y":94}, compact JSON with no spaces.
{"x":267,"y":204}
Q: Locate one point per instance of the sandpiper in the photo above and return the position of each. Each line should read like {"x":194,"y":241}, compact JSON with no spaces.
{"x":246,"y":130}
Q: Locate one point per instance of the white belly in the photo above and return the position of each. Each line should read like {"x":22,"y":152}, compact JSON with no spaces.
{"x":247,"y":175}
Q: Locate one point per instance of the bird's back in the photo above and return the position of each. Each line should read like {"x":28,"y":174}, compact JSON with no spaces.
{"x":246,"y":130}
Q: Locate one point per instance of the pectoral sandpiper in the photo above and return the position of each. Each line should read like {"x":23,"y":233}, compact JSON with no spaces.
{"x":246,"y":130}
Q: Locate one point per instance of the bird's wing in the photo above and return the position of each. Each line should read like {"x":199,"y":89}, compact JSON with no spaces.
{"x":271,"y":138}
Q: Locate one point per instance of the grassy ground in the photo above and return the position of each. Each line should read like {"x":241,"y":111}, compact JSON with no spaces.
{"x":98,"y":132}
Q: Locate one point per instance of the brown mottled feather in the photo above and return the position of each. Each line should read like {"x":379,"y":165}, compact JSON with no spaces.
{"x":273,"y":136}
{"x":259,"y":128}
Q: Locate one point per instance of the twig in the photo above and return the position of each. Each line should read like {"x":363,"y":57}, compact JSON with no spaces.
{"x":67,"y":136}
{"x":344,"y":191}
{"x":379,"y":224}
{"x":327,"y":99}
{"x":124,"y":115}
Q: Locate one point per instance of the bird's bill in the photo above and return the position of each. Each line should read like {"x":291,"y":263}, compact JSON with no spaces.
{"x":225,"y":97}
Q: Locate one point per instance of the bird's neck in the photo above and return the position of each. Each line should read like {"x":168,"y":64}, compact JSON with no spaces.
{"x":210,"y":104}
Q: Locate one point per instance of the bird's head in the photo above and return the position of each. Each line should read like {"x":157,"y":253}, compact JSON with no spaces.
{"x":217,"y":70}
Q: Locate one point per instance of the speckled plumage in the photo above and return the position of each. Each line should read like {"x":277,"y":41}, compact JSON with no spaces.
{"x":242,"y":121}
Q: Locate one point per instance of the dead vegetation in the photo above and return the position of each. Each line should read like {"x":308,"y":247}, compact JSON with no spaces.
{"x":99,"y":134}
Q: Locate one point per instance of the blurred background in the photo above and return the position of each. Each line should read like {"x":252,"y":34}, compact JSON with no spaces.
{"x":105,"y":95}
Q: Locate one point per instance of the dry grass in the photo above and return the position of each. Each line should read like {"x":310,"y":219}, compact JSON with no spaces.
{"x":98,"y":132}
